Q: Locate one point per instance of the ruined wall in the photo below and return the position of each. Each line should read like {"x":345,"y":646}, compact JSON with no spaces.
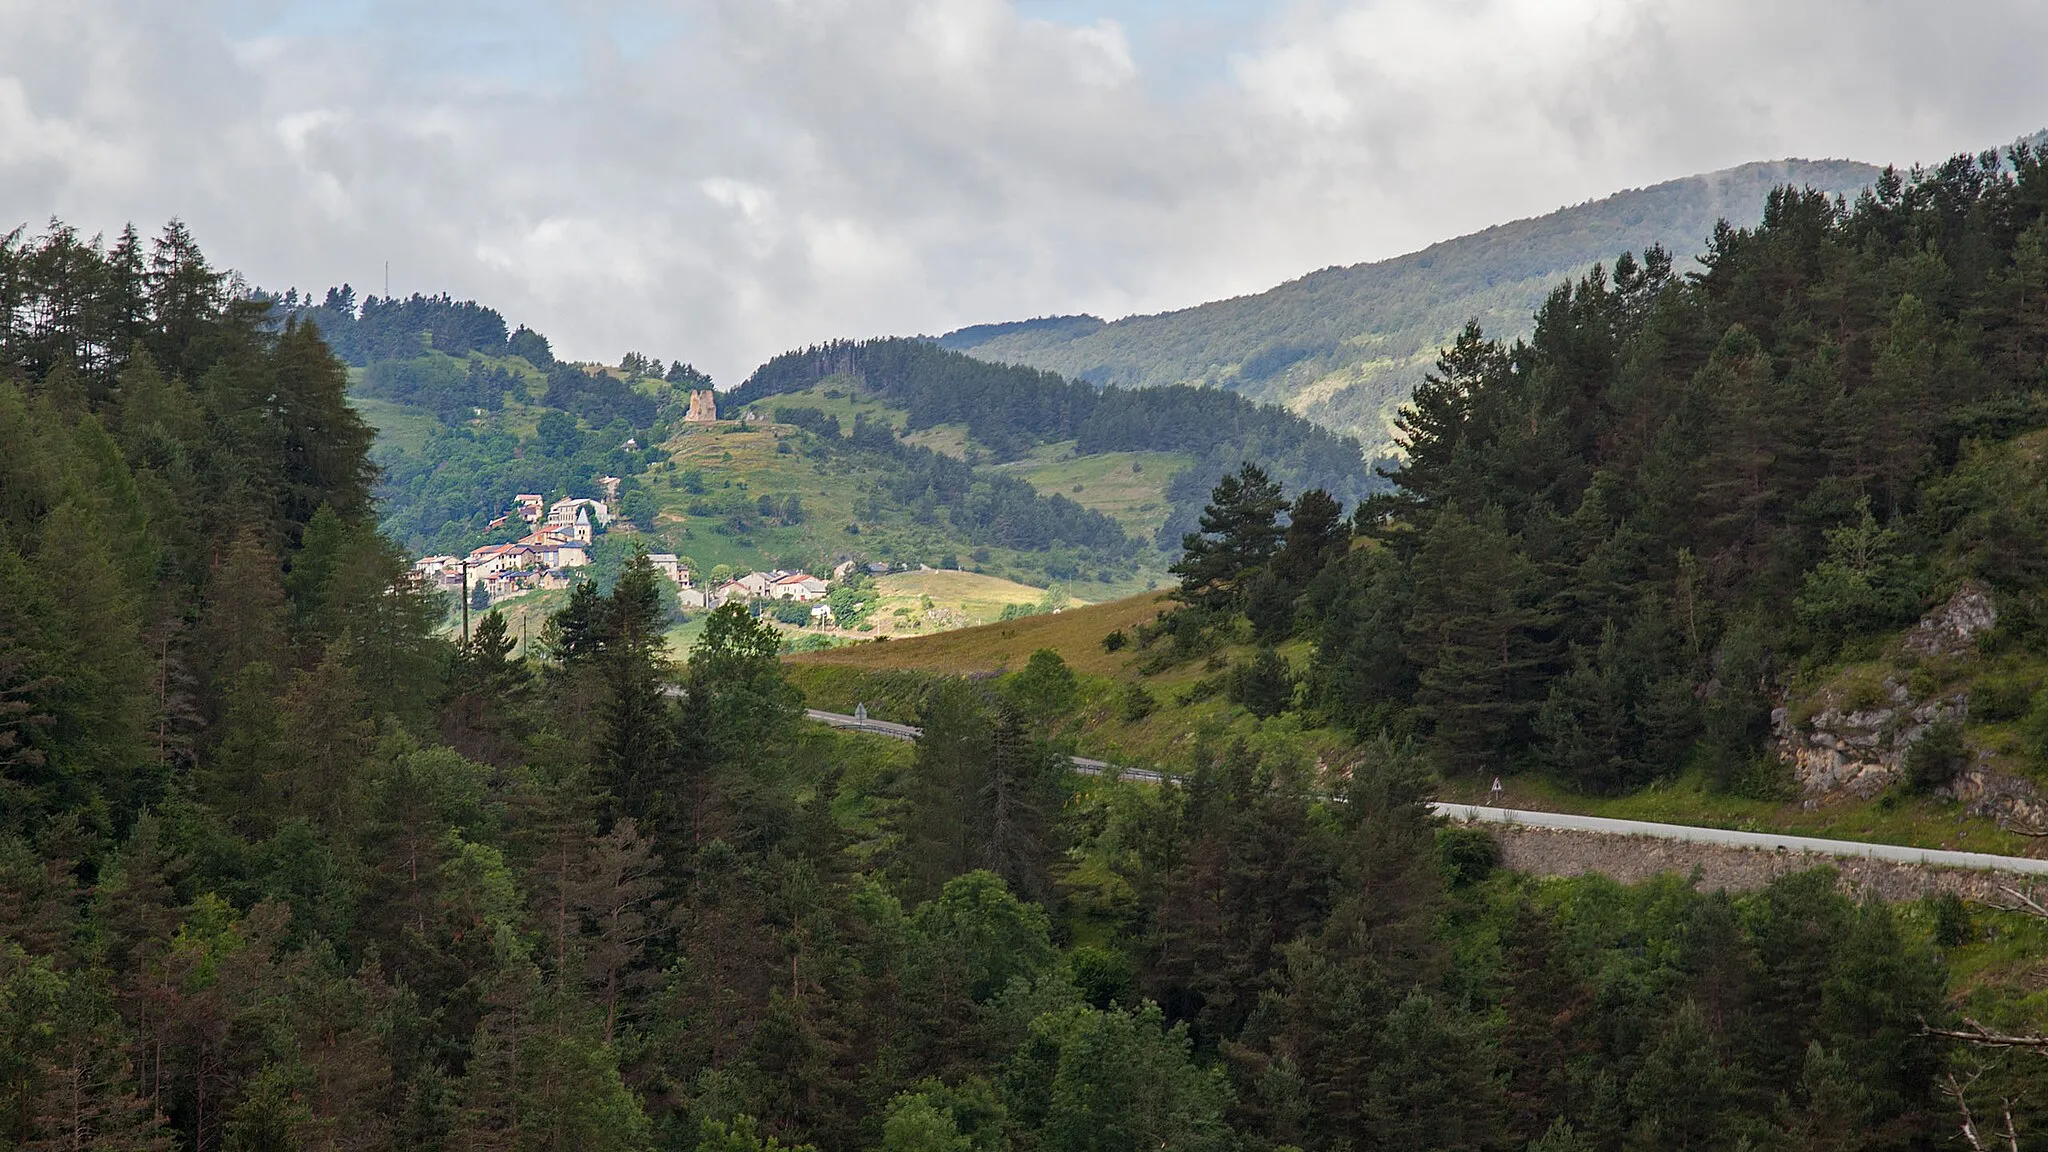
{"x":1633,"y":859}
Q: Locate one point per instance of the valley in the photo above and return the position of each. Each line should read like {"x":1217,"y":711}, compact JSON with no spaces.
{"x":1758,"y":550}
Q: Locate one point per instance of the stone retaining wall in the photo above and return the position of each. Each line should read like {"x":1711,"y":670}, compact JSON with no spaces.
{"x":1633,"y":859}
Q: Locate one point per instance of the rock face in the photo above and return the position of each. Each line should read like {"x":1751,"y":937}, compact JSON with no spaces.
{"x":703,"y":407}
{"x":1861,"y":751}
{"x":1838,"y":753}
{"x":2014,"y":802}
{"x":1952,"y":629}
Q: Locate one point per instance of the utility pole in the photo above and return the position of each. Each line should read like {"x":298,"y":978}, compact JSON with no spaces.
{"x":465,"y":603}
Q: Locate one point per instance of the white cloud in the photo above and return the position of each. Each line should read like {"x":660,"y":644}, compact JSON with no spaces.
{"x":745,"y":177}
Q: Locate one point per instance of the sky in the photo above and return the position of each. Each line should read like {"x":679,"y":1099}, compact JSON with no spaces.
{"x":722,"y":180}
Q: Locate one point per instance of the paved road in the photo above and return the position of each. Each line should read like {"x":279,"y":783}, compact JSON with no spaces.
{"x":1761,"y":841}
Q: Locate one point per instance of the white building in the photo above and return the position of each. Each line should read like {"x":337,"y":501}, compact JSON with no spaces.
{"x":492,"y":559}
{"x":799,"y":586}
{"x":578,"y":517}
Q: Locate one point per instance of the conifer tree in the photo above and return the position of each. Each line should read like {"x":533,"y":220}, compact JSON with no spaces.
{"x":1239,"y":533}
{"x":1470,"y":635}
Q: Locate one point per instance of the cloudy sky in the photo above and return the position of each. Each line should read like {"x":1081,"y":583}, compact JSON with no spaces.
{"x":720,"y":180}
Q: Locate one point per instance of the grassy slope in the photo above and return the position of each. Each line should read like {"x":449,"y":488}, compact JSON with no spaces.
{"x":1130,"y":486}
{"x":398,"y":426}
{"x":875,"y":673}
{"x":1344,"y":346}
{"x":1106,"y":481}
{"x":885,"y":677}
{"x":840,"y":397}
{"x":740,"y":464}
{"x":957,"y":599}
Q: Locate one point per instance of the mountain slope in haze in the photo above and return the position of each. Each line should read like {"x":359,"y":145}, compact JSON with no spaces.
{"x":1345,"y":346}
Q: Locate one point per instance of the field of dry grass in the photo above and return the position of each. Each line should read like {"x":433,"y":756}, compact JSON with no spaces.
{"x":1184,"y":705}
{"x":1076,"y":634}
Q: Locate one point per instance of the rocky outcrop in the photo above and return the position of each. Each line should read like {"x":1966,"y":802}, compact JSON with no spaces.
{"x":2013,"y":802}
{"x":1862,"y":751}
{"x":1859,"y":749}
{"x":1951,"y":630}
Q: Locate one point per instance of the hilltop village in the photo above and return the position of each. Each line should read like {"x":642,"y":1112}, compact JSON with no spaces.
{"x":560,"y":541}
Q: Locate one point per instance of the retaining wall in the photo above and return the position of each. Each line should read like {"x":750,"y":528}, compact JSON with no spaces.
{"x":1633,"y":859}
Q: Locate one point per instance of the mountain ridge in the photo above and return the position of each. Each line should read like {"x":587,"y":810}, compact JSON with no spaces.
{"x":1343,"y":345}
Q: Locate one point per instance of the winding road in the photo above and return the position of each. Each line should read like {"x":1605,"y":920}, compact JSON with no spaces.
{"x":1477,"y":813}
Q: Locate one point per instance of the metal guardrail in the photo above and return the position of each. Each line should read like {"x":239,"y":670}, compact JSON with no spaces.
{"x":1565,"y":821}
{"x":1754,"y":841}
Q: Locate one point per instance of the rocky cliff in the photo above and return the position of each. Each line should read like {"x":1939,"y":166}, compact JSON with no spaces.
{"x":1850,"y":739}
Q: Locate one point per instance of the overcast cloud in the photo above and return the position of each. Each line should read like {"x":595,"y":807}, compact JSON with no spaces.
{"x":720,"y":180}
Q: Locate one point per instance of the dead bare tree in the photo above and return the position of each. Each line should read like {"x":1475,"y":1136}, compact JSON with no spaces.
{"x":1974,"y":1033}
{"x":1958,"y":1092}
{"x":2021,"y":902}
{"x":2010,"y":825}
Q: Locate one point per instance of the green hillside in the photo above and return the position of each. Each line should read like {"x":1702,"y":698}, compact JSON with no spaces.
{"x":1131,"y":487}
{"x":721,"y":495}
{"x":1042,"y":426}
{"x":1760,"y":545}
{"x":462,"y":430}
{"x":1345,"y":346}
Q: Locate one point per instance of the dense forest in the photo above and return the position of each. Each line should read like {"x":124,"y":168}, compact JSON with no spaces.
{"x":1614,"y":547}
{"x":390,"y":328}
{"x":282,"y":868}
{"x":1009,"y":410}
{"x":1358,"y":337}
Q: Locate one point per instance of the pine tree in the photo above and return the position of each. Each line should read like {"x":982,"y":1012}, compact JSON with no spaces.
{"x":1436,"y":423}
{"x":485,"y":712}
{"x":635,"y":742}
{"x":1239,"y":533}
{"x":243,"y":618}
{"x":1470,"y":635}
{"x":1433,"y":1084}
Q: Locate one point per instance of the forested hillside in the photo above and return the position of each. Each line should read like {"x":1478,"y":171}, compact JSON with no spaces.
{"x":1684,"y":502}
{"x":1344,"y":346}
{"x":279,"y":869}
{"x":1010,"y":409}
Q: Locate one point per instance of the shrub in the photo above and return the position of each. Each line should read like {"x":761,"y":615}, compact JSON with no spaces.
{"x":1264,"y":684}
{"x":1936,"y":757}
{"x":1466,"y":855}
{"x":1952,"y":926}
{"x":1103,"y":977}
{"x":1137,"y":703}
{"x":1998,"y":698}
{"x":1046,"y":687}
{"x":1115,"y":641}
